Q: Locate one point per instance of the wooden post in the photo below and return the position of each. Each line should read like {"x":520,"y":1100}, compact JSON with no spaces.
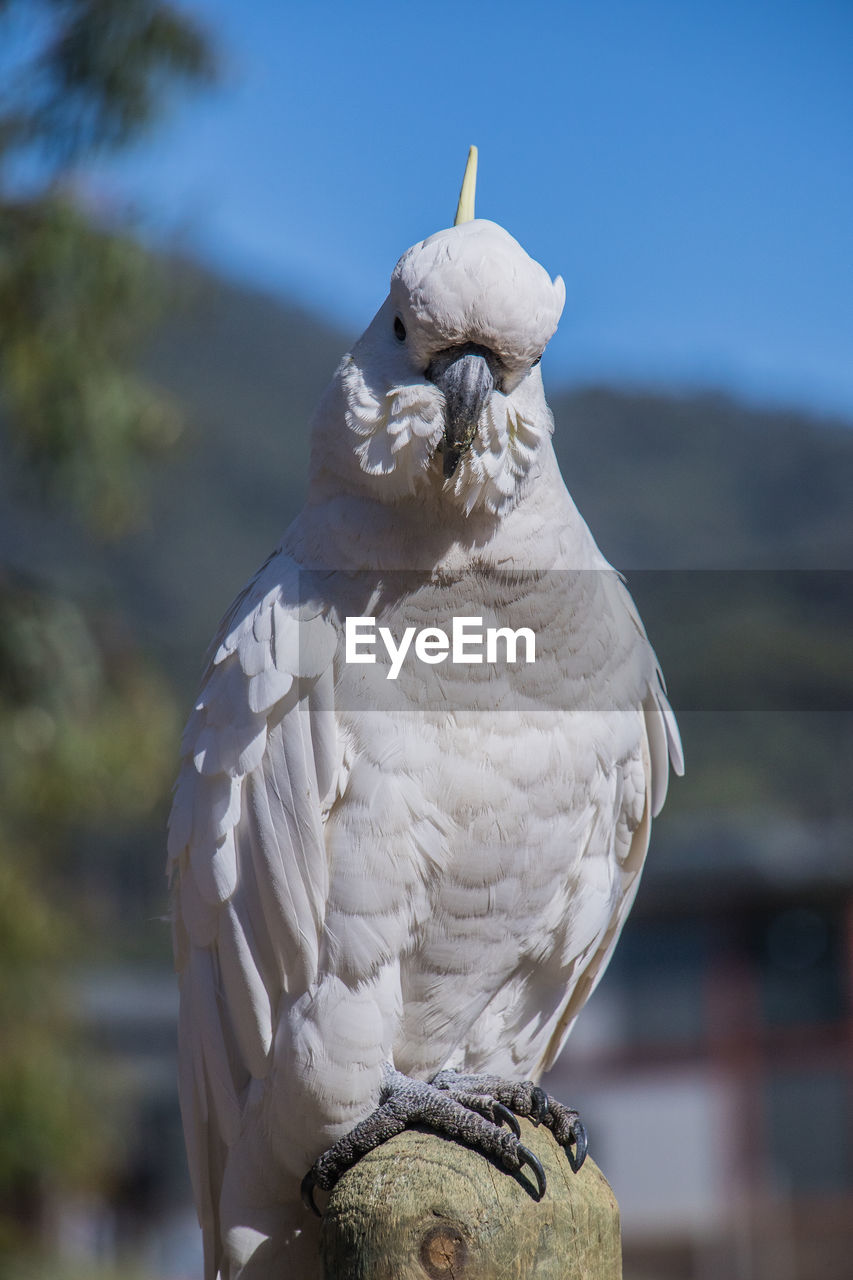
{"x":423,"y":1208}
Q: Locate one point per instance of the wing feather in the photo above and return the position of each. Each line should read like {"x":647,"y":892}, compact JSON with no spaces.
{"x":246,"y":994}
{"x":248,"y":858}
{"x":637,"y":801}
{"x":200,"y":919}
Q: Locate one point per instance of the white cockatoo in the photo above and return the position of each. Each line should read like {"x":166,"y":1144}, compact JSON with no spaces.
{"x":400,"y":870}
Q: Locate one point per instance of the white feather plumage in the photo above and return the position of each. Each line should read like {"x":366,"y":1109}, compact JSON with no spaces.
{"x":430,"y":883}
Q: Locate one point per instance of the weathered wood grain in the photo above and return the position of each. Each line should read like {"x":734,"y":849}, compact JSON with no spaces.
{"x":423,"y":1208}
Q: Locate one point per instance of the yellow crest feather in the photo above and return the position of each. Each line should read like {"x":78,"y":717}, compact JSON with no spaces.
{"x":465,"y":207}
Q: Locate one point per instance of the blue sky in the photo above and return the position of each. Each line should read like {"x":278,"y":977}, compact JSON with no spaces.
{"x":686,"y":166}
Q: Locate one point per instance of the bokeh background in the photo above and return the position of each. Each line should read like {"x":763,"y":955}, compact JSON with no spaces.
{"x":200,"y":205}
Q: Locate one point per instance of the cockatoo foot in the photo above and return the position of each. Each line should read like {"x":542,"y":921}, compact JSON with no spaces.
{"x":473,"y":1118}
{"x":485,"y":1093}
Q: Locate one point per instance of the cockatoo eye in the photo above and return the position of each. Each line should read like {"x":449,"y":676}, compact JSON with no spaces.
{"x":535,"y":362}
{"x":399,"y":329}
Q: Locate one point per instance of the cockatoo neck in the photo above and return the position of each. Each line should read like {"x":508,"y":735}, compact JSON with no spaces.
{"x":425,"y":531}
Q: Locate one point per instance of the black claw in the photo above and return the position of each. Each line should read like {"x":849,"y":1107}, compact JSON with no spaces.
{"x":539,"y":1104}
{"x":577,"y":1157}
{"x":526,"y":1156}
{"x":503,"y":1115}
{"x":309,"y":1182}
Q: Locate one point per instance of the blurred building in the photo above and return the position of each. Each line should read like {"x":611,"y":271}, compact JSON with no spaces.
{"x":144,"y":1219}
{"x":713,"y":1069}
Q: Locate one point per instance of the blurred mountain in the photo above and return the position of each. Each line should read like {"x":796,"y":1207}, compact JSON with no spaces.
{"x":697,"y":497}
{"x":702,"y":481}
{"x":665,"y":481}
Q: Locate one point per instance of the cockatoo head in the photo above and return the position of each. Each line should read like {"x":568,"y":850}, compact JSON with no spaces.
{"x":443,"y":390}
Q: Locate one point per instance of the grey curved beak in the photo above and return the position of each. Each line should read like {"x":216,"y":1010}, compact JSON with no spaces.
{"x":467,"y":376}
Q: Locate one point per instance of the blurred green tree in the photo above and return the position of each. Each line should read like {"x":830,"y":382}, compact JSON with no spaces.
{"x":86,"y":725}
{"x":81,"y":77}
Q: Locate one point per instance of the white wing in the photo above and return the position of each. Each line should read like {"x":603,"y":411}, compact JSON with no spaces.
{"x":641,"y":782}
{"x":247,"y":856}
